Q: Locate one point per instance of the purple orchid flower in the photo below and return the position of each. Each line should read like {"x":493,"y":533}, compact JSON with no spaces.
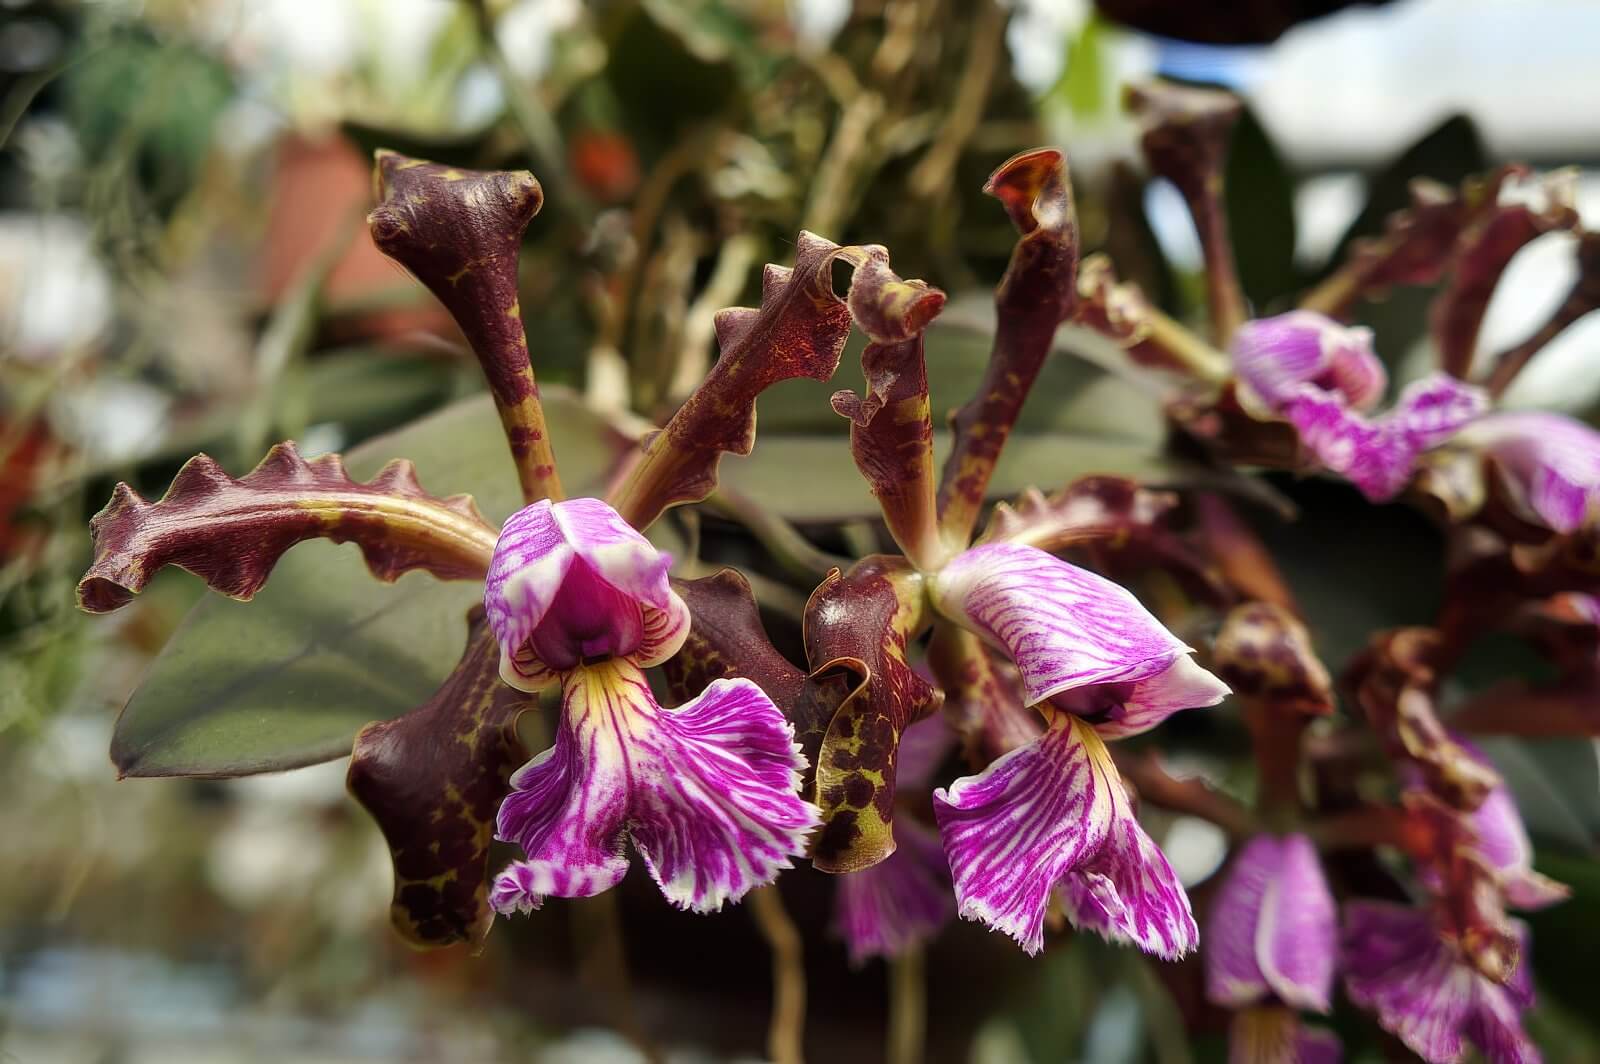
{"x":1323,"y":378}
{"x":1274,"y":928}
{"x":1503,"y":844}
{"x":1051,"y":818}
{"x":706,"y":791}
{"x":1549,"y":464}
{"x":1426,"y":992}
{"x":903,"y":900}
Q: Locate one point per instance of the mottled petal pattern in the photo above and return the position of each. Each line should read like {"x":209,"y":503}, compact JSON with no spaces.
{"x":571,"y":581}
{"x":1550,"y":464}
{"x":707,"y":792}
{"x":1425,"y":992}
{"x":1013,"y":831}
{"x":1068,"y":628}
{"x":900,"y":902}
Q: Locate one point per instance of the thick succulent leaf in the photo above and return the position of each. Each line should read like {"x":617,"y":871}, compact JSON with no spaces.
{"x":858,"y":626}
{"x":1483,"y":251}
{"x":460,"y":232}
{"x":798,"y":331}
{"x":727,"y":640}
{"x":891,"y":427}
{"x":1259,"y":197}
{"x":289,"y":678}
{"x":1037,"y":294}
{"x":433,"y":780}
{"x":231,"y":532}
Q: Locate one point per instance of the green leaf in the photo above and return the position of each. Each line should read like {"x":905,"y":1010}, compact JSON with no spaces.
{"x":1260,"y":202}
{"x":288,"y":678}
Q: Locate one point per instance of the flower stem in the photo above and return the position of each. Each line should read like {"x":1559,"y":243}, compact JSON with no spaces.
{"x":786,"y":1032}
{"x":908,"y":1007}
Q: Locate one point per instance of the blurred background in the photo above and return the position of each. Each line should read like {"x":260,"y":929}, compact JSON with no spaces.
{"x":183,"y":268}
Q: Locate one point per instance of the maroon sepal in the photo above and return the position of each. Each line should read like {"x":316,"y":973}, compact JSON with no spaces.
{"x":858,"y":626}
{"x":433,"y":779}
{"x":726,"y":640}
{"x":231,"y":532}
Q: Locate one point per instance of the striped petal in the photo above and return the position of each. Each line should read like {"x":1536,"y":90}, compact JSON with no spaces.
{"x":1071,"y":631}
{"x":572,"y":582}
{"x":707,"y":792}
{"x":898,"y":903}
{"x":1423,"y":990}
{"x":1273,"y":928}
{"x":1274,"y":356}
{"x":1052,"y":816}
{"x":1549,"y":463}
{"x":1127,"y":892}
{"x":1379,"y":455}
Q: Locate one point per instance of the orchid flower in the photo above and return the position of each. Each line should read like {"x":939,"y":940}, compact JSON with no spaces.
{"x":1273,"y":929}
{"x":1051,"y":817}
{"x":706,"y":791}
{"x":1427,"y":993}
{"x":1548,"y":463}
{"x":1323,"y":378}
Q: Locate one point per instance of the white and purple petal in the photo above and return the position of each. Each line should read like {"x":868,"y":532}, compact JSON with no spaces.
{"x":1273,"y":928}
{"x":1013,"y":831}
{"x":1379,"y":455}
{"x":1273,"y":356}
{"x":1068,"y":629}
{"x":898,"y":903}
{"x":1550,"y":464}
{"x":571,"y":582}
{"x":1127,"y":892}
{"x":1424,"y":991}
{"x":707,"y":792}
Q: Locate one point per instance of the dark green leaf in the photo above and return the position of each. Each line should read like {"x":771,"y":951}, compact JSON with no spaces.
{"x":1259,"y":194}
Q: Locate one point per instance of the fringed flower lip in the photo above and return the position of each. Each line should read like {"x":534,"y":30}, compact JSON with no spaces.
{"x":1425,"y":992}
{"x":1273,"y":931}
{"x":1549,"y":464}
{"x":1051,"y":820}
{"x":1323,"y":378}
{"x":706,"y":792}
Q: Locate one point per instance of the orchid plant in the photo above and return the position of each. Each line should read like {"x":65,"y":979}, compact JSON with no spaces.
{"x":952,"y":743}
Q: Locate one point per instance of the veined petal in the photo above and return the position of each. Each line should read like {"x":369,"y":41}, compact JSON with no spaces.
{"x":1065,"y":627}
{"x":1378,"y":456}
{"x":571,"y":582}
{"x":900,"y":902}
{"x":706,"y":791}
{"x":1298,"y":934}
{"x":1503,"y":842}
{"x":1127,"y":892}
{"x":1233,"y":973}
{"x":1275,"y":355}
{"x":1132,"y":709}
{"x":715,"y":808}
{"x":1424,"y":991}
{"x":1550,"y":463}
{"x":1014,"y":830}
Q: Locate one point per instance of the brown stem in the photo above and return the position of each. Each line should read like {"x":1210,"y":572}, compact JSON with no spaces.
{"x":786,"y":1033}
{"x":932,"y":174}
{"x":1361,"y":829}
{"x":1582,"y":297}
{"x":1193,"y":795}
